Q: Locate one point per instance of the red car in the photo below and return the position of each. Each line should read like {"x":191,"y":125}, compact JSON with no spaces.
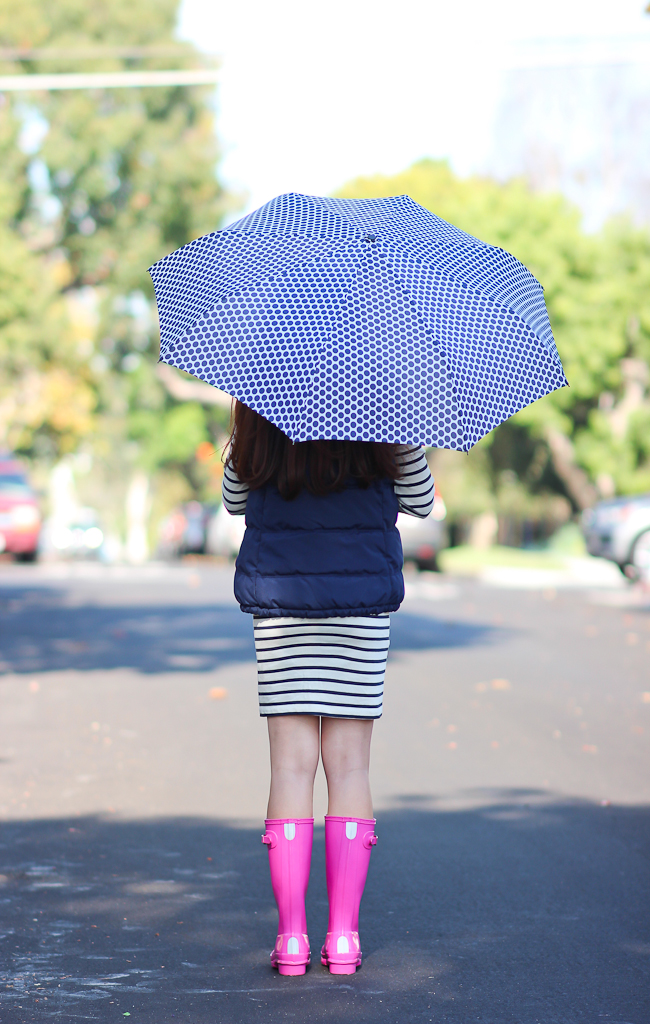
{"x":20,"y":519}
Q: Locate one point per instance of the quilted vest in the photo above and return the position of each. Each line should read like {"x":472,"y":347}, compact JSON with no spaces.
{"x":320,"y":556}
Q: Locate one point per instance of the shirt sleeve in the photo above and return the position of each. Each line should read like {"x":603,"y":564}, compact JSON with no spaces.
{"x":233,"y":492}
{"x":414,"y":486}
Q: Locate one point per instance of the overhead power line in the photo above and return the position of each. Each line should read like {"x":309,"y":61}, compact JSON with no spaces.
{"x":107,"y":80}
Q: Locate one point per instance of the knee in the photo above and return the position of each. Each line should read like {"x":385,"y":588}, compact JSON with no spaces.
{"x":297,"y":765}
{"x":344,"y":764}
{"x":345,"y":747}
{"x":294,"y":745}
{"x":296,"y":761}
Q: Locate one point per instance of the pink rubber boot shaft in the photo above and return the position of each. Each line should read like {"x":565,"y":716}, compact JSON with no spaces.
{"x":289,"y":842}
{"x":348,"y":844}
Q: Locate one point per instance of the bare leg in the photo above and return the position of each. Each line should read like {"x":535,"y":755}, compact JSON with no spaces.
{"x":294,"y":742}
{"x":345,"y":749}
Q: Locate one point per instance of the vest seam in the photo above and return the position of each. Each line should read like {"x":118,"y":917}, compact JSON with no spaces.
{"x":323,"y":529}
{"x":318,"y":613}
{"x":297,"y":573}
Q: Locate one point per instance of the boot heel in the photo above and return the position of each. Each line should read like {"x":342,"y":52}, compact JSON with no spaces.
{"x":343,"y":968}
{"x":292,"y":969}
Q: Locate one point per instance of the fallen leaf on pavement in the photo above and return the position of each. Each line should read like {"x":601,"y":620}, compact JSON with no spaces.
{"x":218,"y":693}
{"x":500,"y":684}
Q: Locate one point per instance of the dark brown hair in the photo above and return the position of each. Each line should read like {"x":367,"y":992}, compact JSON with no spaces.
{"x":261,"y":453}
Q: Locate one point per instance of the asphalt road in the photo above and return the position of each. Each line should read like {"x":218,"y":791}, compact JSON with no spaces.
{"x":510,"y":772}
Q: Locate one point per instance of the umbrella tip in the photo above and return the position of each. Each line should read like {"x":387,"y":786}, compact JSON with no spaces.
{"x":369,"y":238}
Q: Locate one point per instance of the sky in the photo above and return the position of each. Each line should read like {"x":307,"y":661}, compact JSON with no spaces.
{"x":314,"y":94}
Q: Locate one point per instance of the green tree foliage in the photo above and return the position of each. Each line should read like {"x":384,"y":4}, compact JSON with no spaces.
{"x":597,"y":289}
{"x":43,"y":387}
{"x":172,"y":436}
{"x":120,"y":177}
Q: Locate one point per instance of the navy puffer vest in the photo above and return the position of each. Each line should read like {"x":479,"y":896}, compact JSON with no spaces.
{"x":321,"y":556}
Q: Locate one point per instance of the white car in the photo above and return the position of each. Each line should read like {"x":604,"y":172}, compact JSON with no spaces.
{"x":619,"y":529}
{"x":423,"y":539}
{"x":225,"y":533}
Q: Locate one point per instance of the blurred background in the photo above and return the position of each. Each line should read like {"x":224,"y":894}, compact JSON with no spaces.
{"x":527,"y":127}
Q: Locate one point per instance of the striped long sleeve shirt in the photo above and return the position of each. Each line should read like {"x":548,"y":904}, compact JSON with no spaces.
{"x":414,"y":488}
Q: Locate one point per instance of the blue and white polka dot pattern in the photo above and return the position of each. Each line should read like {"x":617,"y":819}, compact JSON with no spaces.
{"x":359,"y":319}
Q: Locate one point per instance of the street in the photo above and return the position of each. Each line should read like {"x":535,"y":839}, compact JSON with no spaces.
{"x":510,"y":774}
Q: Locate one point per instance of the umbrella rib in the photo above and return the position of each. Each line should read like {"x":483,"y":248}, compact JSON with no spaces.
{"x":421,"y":320}
{"x":318,"y":200}
{"x":328,"y":337}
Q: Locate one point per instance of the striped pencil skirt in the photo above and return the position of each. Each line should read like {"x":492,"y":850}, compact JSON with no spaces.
{"x":331,"y":667}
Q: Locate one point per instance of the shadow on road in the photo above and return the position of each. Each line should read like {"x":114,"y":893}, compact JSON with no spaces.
{"x":523,"y":910}
{"x":40,"y":632}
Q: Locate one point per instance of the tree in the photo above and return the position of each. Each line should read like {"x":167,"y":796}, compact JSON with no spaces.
{"x":44,"y":392}
{"x":112,"y":180}
{"x":598,"y":295}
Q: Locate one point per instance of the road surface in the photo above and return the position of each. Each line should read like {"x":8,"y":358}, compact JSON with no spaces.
{"x":510,"y":772}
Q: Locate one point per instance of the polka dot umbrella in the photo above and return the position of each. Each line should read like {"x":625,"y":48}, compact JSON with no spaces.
{"x":360,"y":319}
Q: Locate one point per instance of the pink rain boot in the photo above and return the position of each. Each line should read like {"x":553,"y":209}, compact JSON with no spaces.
{"x":289,"y":841}
{"x":348,"y":842}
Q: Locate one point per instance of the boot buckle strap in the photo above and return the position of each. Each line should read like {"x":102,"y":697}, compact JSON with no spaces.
{"x":369,"y":840}
{"x":270,"y":839}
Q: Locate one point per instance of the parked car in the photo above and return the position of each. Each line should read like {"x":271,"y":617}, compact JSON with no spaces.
{"x":184,"y":531}
{"x":225,"y":533}
{"x":78,"y":538}
{"x":619,"y":529}
{"x":423,"y":539}
{"x":20,"y":519}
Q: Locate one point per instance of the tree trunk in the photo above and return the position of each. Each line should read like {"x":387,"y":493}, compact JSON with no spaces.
{"x":137,"y":515}
{"x":579,"y":488}
{"x":184,"y":390}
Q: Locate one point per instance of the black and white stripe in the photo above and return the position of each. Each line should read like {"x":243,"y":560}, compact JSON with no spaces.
{"x":414,"y":488}
{"x":233,"y":492}
{"x":332,"y":667}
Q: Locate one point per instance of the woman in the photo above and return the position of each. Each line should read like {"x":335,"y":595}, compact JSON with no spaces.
{"x":320,"y":570}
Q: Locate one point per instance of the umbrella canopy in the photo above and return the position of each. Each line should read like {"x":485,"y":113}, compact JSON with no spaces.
{"x":358,"y":319}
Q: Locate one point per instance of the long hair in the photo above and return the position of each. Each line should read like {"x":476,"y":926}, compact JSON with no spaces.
{"x":260,"y":454}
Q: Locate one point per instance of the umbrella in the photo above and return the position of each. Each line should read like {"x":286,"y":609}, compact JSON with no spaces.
{"x":359,"y":319}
